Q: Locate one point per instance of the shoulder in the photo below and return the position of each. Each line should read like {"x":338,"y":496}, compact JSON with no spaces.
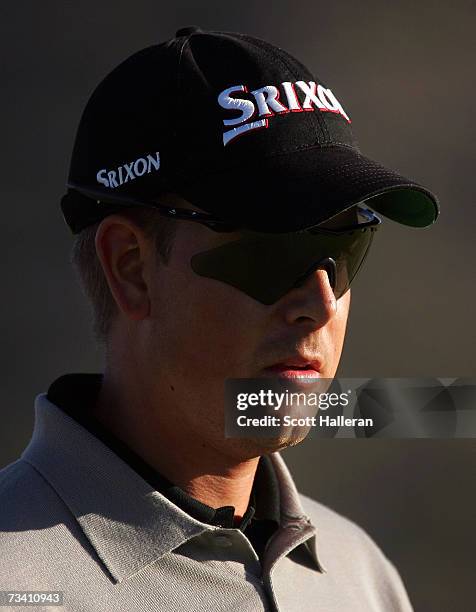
{"x":336,"y":527}
{"x":27,"y":501}
{"x":34,"y":523}
{"x":340,"y":536}
{"x":20,"y":483}
{"x":348,"y":552}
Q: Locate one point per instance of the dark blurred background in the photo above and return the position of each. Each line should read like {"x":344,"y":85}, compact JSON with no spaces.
{"x":404,"y":72}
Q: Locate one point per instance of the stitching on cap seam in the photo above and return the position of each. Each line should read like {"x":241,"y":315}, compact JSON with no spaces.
{"x":322,"y":123}
{"x":356,"y":171}
{"x":178,"y":85}
{"x":326,"y":145}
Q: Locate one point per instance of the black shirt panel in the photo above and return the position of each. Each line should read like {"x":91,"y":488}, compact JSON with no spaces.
{"x":76,"y":394}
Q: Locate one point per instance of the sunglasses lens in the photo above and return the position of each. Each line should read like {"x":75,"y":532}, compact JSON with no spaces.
{"x":267,"y":266}
{"x":350,"y":261}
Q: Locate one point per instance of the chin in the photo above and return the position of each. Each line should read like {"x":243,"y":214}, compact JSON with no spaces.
{"x":254,"y":447}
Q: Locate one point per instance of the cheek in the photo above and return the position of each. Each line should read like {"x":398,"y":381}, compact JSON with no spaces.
{"x":337,"y":329}
{"x":203,"y":333}
{"x":205,"y":328}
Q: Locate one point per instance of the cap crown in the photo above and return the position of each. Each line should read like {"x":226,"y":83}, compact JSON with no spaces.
{"x":195,"y":105}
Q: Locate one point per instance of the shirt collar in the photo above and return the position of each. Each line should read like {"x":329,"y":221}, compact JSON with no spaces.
{"x":131,"y":531}
{"x":76,"y":393}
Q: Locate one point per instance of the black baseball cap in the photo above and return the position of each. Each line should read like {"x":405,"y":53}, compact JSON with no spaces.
{"x":236,"y":126}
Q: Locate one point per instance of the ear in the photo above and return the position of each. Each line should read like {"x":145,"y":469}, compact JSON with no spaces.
{"x":122,"y":249}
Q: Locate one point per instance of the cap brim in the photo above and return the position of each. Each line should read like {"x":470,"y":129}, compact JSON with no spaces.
{"x":299,"y":189}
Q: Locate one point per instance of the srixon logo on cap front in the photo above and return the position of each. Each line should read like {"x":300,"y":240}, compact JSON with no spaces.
{"x":268,"y":104}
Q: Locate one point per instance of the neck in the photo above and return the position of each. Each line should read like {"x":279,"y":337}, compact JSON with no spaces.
{"x":203,"y":471}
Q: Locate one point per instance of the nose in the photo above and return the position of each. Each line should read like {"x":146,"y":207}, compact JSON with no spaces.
{"x":327,"y":264}
{"x":312,"y":298}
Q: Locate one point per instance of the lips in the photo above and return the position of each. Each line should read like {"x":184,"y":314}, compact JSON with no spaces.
{"x":289,"y":371}
{"x":296,"y":367}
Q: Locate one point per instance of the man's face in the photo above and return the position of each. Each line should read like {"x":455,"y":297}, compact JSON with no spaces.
{"x":202,"y":331}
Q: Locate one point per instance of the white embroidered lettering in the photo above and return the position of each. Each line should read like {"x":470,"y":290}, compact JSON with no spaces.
{"x":268,"y":104}
{"x":137,"y":169}
{"x":245,"y":107}
{"x":266,"y":99}
{"x":101,"y":177}
{"x":292,"y":99}
{"x":153,"y":162}
{"x":310,"y":89}
{"x":112,"y":178}
{"x":128,"y":172}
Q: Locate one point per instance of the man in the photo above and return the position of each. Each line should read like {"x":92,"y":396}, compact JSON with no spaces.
{"x":199,"y":168}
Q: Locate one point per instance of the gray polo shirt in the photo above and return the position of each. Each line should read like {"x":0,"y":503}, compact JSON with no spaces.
{"x":76,"y":518}
{"x":77,"y":394}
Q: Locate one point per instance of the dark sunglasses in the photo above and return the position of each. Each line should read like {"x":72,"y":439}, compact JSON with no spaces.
{"x":267,"y":266}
